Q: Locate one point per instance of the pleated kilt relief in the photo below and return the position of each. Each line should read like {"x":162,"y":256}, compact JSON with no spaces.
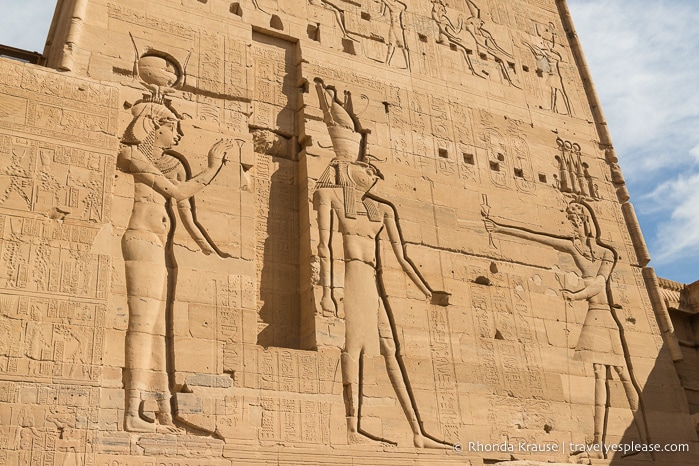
{"x":600,"y":340}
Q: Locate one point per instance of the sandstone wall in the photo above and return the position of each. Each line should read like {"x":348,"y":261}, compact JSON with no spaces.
{"x":418,"y":238}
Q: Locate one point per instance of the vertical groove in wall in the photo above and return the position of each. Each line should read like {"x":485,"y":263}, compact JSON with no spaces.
{"x":75,"y":30}
{"x":661,"y":314}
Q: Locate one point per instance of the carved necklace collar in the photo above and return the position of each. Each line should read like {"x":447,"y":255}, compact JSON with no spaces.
{"x":584,"y":249}
{"x":371,"y":209}
{"x":163,"y":163}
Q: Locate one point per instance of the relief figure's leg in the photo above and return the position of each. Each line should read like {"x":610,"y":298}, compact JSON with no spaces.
{"x":398,"y":380}
{"x":601,"y":373}
{"x":361,"y":303}
{"x":389,"y":53}
{"x":633,"y":397}
{"x":350,"y":384}
{"x":145,"y":369}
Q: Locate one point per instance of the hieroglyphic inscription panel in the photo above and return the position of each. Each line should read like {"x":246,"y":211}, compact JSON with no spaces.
{"x":57,"y":147}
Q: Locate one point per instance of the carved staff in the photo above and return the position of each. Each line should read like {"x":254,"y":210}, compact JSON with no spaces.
{"x":485,"y":212}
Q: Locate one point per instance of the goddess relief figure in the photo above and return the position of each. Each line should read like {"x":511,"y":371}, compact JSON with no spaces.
{"x":159,"y":179}
{"x":343,"y":192}
{"x":600,"y":341}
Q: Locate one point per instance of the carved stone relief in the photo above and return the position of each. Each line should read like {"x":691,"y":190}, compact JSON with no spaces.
{"x":573,"y":174}
{"x":56,"y":171}
{"x":339,"y":14}
{"x":467,"y":32}
{"x":160,"y":180}
{"x":393,"y":10}
{"x":548,"y":68}
{"x":342,"y":195}
{"x":156,"y":314}
{"x":499,"y":160}
{"x":601,"y":341}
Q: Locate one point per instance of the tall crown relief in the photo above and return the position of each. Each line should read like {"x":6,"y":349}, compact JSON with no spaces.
{"x":349,"y":144}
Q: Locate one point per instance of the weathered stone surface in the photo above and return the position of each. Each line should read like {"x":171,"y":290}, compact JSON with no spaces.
{"x":370,"y":232}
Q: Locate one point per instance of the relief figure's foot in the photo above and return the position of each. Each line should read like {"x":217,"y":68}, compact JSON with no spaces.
{"x":168,"y":429}
{"x":420,"y":441}
{"x":166,"y":424}
{"x":134,"y":423}
{"x":356,"y":438}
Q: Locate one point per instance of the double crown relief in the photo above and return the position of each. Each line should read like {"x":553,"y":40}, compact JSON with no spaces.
{"x":342,"y":193}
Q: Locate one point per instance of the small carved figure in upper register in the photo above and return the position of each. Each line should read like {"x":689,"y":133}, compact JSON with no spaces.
{"x":548,"y":66}
{"x":469,"y":35}
{"x":396,"y":31}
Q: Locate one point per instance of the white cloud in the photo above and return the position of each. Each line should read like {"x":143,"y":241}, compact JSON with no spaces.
{"x":642,"y":54}
{"x":643,"y":57}
{"x":679,"y":237}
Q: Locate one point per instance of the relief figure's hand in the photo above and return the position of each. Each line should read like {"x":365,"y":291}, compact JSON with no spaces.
{"x":490,"y":226}
{"x":205,"y":246}
{"x":218,"y":152}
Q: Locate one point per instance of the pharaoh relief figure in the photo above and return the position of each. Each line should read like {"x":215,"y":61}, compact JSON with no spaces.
{"x":601,"y":338}
{"x":342,"y":192}
{"x":396,"y":31}
{"x":160,"y":180}
{"x":548,"y":66}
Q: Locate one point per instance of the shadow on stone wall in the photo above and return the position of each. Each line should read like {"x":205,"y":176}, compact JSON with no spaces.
{"x":666,"y":414}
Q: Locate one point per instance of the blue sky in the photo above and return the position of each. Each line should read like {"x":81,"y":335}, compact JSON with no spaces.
{"x":644,"y":57}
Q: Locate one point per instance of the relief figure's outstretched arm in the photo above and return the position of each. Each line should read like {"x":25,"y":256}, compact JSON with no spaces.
{"x":143,"y":170}
{"x":558,"y":243}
